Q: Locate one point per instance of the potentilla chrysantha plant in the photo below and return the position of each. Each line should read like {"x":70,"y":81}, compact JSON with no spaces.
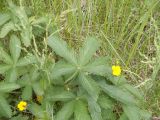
{"x":95,"y":87}
{"x":72,"y":85}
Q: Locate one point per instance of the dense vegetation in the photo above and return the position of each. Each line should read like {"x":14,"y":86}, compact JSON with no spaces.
{"x":79,"y":59}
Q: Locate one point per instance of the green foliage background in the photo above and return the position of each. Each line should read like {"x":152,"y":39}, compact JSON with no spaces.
{"x":64,"y":50}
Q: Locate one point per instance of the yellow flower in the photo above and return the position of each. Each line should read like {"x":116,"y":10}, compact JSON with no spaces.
{"x":22,"y":105}
{"x":116,"y":70}
{"x":39,"y":98}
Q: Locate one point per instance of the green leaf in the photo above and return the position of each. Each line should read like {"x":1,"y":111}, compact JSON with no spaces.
{"x":60,"y":48}
{"x":111,"y":115}
{"x":89,"y":48}
{"x":89,"y":85}
{"x":81,"y":111}
{"x":37,"y":110}
{"x":145,"y":115}
{"x":5,"y":57}
{"x":133,"y":90}
{"x":59,"y":94}
{"x":27,"y":93}
{"x":94,"y":109}
{"x":4,"y":18}
{"x":11,"y":75}
{"x":5,"y":108}
{"x":8,"y":87}
{"x":4,"y":68}
{"x":123,"y":117}
{"x":40,"y":20}
{"x":20,"y":117}
{"x":98,"y":67}
{"x":66,"y":112}
{"x":15,"y":47}
{"x":29,"y":59}
{"x":6,"y":29}
{"x":26,"y":36}
{"x":105,"y":102}
{"x":118,"y":94}
{"x":38,"y":89}
{"x":62,"y":68}
{"x":132,"y":112}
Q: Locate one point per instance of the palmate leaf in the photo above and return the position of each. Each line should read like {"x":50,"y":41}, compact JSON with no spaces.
{"x":5,"y":108}
{"x":118,"y":94}
{"x":90,"y":46}
{"x":66,"y":112}
{"x":89,"y":85}
{"x":81,"y":111}
{"x":15,"y":47}
{"x":4,"y":18}
{"x":60,"y":48}
{"x":94,"y":109}
{"x":8,"y":87}
{"x":98,"y":67}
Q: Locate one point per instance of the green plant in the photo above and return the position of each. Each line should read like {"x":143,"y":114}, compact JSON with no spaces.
{"x":73,"y":85}
{"x":90,"y":82}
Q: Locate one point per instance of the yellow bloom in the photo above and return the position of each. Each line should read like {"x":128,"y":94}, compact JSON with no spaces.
{"x":116,"y":70}
{"x":22,"y":105}
{"x":39,"y":98}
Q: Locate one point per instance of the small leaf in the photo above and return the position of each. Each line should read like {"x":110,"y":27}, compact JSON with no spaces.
{"x":89,"y":48}
{"x":6,"y":29}
{"x":66,"y":112}
{"x":81,"y":111}
{"x":89,"y":85}
{"x":8,"y":87}
{"x":60,"y":47}
{"x":4,"y":18}
{"x":5,"y":108}
{"x":15,"y":47}
{"x":27,"y":93}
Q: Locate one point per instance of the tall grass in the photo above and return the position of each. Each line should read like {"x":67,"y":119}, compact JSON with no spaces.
{"x":125,"y":28}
